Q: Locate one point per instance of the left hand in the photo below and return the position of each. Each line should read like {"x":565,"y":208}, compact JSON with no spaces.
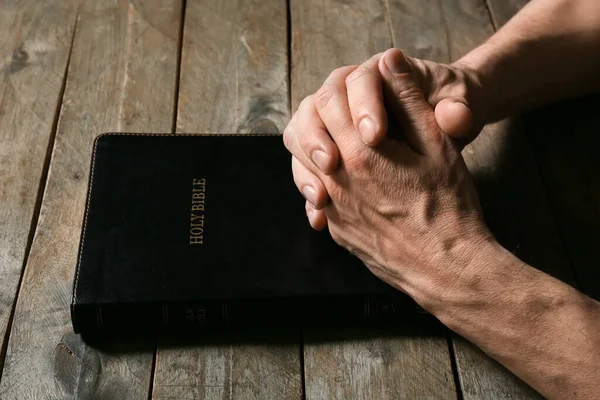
{"x":407,"y":208}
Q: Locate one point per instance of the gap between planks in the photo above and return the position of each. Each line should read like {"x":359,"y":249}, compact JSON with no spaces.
{"x":178,"y":78}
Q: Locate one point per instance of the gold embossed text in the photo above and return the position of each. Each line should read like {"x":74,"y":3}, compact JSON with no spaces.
{"x":197,"y":213}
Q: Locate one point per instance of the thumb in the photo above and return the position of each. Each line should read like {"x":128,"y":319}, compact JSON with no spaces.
{"x":454,"y":117}
{"x":408,"y":104}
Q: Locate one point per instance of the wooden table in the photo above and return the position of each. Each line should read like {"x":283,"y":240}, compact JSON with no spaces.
{"x":70,"y":70}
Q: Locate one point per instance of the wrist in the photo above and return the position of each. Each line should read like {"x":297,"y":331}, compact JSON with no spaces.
{"x":524,"y":319}
{"x":449,"y":273}
{"x":472,"y":282}
{"x":492,"y":286}
{"x":482,"y":84}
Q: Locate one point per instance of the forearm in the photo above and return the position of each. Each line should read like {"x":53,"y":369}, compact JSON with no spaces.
{"x":541,"y":329}
{"x":549,"y":51}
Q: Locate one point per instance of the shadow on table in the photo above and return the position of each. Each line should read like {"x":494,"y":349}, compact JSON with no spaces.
{"x":424,"y":326}
{"x":536,"y":177}
{"x":537,"y":193}
{"x":566,"y":141}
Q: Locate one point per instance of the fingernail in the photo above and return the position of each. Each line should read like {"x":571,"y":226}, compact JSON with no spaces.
{"x":395,"y":62}
{"x":368,"y":130}
{"x":321,"y":159}
{"x":309,"y":194}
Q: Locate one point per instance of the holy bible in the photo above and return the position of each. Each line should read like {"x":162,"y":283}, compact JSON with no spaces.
{"x":188,"y":231}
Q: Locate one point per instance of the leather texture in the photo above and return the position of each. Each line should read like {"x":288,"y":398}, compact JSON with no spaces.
{"x":256,"y":241}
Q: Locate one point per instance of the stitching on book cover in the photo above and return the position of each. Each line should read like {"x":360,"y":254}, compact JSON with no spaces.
{"x":91,"y":180}
{"x":85,"y":219}
{"x":185,"y":134}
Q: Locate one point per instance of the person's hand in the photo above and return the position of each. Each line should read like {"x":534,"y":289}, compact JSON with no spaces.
{"x":452,"y":90}
{"x":408,"y":207}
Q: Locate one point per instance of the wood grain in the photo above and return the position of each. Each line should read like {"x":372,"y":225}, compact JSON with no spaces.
{"x":121,"y":77}
{"x":483,"y":378}
{"x":440,"y":31}
{"x":404,"y":363}
{"x":234,"y":78}
{"x":35,"y":40}
{"x":234,"y":67}
{"x":328,"y":34}
{"x":503,"y":10}
{"x":502,"y":163}
{"x":238,"y":365}
{"x":375,"y":364}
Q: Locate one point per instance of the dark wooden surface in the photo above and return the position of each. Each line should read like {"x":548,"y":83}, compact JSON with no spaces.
{"x":73,"y":69}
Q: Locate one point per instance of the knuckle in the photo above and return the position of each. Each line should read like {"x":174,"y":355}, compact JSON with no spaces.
{"x":323,"y":95}
{"x":337,"y":194}
{"x":408,"y":92}
{"x":432,"y":132}
{"x":356,"y":161}
{"x":332,"y":84}
{"x":357,"y":74}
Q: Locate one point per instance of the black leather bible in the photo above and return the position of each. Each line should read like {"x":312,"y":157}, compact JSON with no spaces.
{"x":207,"y":231}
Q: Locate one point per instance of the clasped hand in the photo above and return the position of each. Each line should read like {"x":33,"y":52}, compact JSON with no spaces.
{"x":403,"y":200}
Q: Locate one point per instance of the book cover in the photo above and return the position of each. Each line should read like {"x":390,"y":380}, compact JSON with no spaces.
{"x":207,"y":231}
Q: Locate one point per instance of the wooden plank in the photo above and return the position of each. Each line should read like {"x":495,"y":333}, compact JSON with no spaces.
{"x":234,"y":67}
{"x":234,"y":78}
{"x":359,"y":364}
{"x":328,"y":34}
{"x":239,"y":365}
{"x":483,"y":378}
{"x":121,"y":76}
{"x":35,"y":39}
{"x":501,"y":161}
{"x":411,"y":362}
{"x":565,"y":140}
{"x":503,"y":10}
